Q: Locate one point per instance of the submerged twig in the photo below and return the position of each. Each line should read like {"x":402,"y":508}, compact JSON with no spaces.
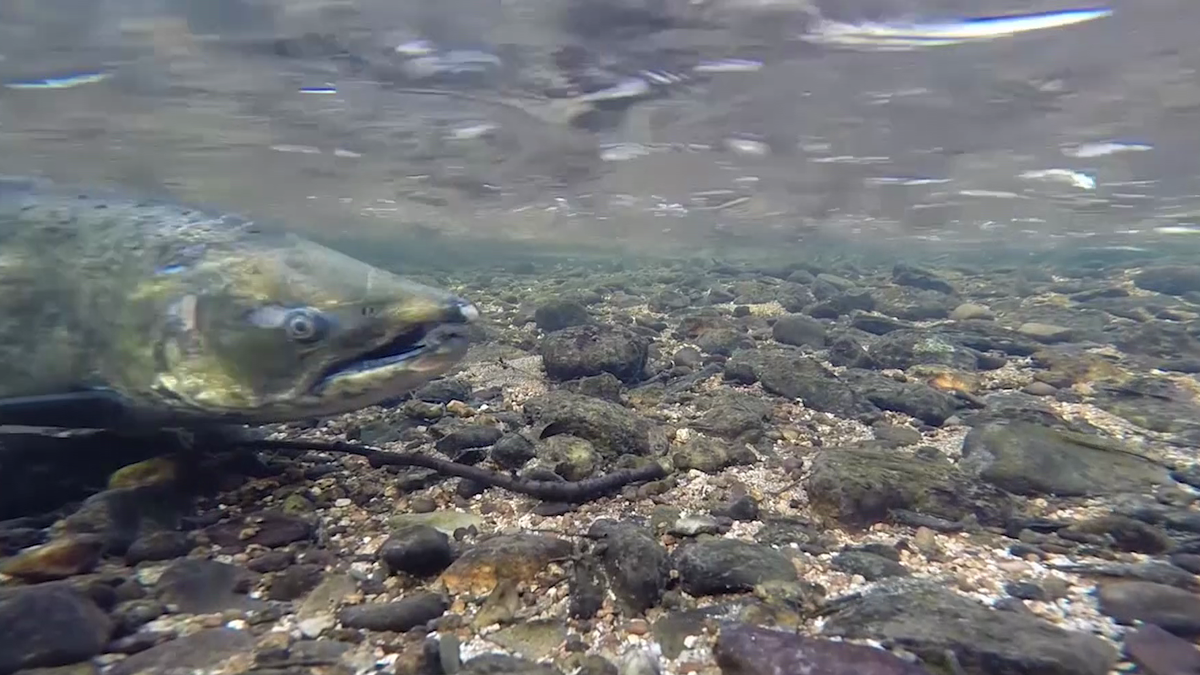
{"x":575,"y":492}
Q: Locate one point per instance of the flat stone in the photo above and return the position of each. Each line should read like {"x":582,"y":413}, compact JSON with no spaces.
{"x":446,"y":522}
{"x":1158,"y":652}
{"x":709,"y":567}
{"x":1046,"y":333}
{"x":929,"y":619}
{"x":743,"y":649}
{"x":1170,"y":608}
{"x":399,"y":616}
{"x":535,"y":640}
{"x":197,"y":586}
{"x":1032,"y":459}
{"x":207,"y":649}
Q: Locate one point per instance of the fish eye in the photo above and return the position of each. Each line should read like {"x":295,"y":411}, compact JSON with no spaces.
{"x":304,"y":325}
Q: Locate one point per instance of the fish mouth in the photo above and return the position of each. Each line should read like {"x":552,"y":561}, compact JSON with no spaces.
{"x":408,"y":349}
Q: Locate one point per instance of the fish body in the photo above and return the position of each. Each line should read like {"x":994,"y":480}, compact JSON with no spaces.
{"x":118,"y":312}
{"x":904,"y":36}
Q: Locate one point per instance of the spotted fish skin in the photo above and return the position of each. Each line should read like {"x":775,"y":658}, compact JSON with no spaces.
{"x":188,"y":316}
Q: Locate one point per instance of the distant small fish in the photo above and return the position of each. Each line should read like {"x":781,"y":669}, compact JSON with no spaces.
{"x":416,"y":48}
{"x":632,"y":87}
{"x":1086,"y":150}
{"x":1177,"y":229}
{"x":903,"y":36}
{"x":65,"y":82}
{"x":1076,"y":178}
{"x":728,"y":66}
{"x":302,"y":149}
{"x":318,"y":90}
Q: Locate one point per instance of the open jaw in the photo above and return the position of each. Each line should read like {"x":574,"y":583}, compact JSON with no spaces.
{"x":404,"y":347}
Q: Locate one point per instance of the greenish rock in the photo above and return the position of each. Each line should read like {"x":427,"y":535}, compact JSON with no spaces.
{"x":535,"y":640}
{"x":710,"y":455}
{"x":713,"y":566}
{"x":328,"y":595}
{"x":734,"y":415}
{"x":802,"y":597}
{"x":695,"y":525}
{"x":868,"y":565}
{"x":970,"y":310}
{"x":1046,"y":333}
{"x":296,"y":503}
{"x":930,"y":620}
{"x":1031,"y":459}
{"x":500,"y":606}
{"x":859,"y":485}
{"x":613,"y":429}
{"x":424,"y":410}
{"x":569,"y":456}
{"x":446,"y":522}
{"x":582,"y":351}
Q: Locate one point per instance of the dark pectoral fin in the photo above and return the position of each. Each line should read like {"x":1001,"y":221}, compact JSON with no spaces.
{"x":95,"y":409}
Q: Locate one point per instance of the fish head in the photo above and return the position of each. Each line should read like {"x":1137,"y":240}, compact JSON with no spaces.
{"x":297,"y":330}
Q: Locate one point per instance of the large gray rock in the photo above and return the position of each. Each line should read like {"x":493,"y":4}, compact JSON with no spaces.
{"x":49,"y":625}
{"x":1031,"y":459}
{"x":713,"y":566}
{"x":931,"y":621}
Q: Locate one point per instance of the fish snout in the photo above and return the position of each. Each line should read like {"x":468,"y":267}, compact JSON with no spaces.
{"x":462,"y":311}
{"x":454,"y":330}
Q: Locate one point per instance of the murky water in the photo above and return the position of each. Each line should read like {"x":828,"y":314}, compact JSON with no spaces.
{"x":885,"y":320}
{"x":306,"y":112}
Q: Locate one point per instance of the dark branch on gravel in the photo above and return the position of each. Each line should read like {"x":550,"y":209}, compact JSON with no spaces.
{"x":574,"y":492}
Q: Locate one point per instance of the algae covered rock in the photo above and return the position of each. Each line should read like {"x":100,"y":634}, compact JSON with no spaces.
{"x":582,"y":351}
{"x":613,"y":429}
{"x":860,"y":485}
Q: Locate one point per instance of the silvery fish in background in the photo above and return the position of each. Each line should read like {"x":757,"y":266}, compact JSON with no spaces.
{"x":901,"y":36}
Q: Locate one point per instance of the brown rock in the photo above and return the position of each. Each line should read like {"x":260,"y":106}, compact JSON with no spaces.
{"x":517,"y":557}
{"x":58,"y":559}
